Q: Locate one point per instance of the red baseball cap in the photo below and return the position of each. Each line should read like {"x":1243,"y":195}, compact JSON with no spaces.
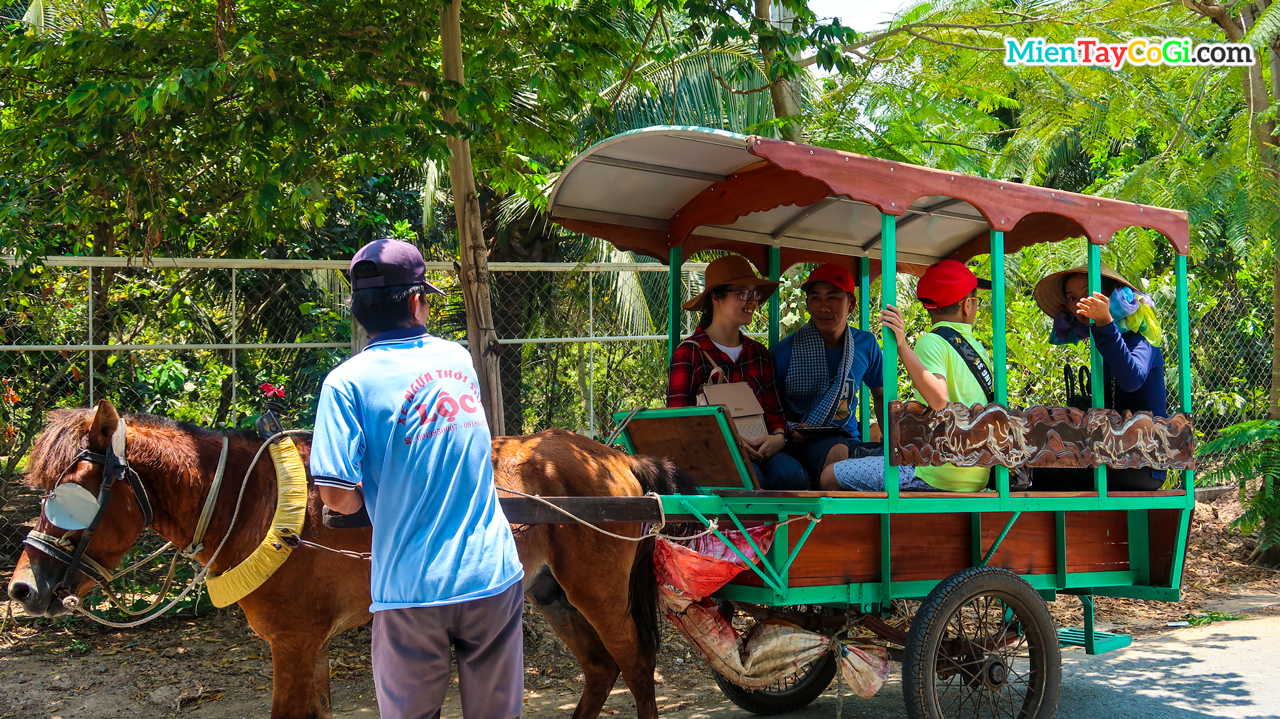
{"x":835,"y":274}
{"x":946,"y":283}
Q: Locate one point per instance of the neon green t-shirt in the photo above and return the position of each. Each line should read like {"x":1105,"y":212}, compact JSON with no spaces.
{"x":941,"y":358}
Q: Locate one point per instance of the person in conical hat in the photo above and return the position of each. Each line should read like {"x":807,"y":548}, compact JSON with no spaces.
{"x":733,"y":293}
{"x":1127,"y":333}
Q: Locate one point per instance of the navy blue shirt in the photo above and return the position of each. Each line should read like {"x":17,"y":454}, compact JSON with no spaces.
{"x":1132,"y":373}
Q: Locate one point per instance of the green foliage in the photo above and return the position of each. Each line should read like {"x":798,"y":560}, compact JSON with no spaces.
{"x":1252,"y":459}
{"x":166,"y":130}
{"x":1206,"y":618}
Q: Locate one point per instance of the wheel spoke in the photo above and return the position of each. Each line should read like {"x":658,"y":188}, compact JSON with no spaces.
{"x":989,"y":660}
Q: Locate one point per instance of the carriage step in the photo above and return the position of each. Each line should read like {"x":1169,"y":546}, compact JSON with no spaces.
{"x":1102,"y":641}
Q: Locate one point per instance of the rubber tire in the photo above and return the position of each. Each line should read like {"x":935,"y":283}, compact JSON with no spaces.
{"x":930,"y":620}
{"x":766,"y":703}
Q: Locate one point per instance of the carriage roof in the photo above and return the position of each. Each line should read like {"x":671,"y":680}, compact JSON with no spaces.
{"x":663,"y":187}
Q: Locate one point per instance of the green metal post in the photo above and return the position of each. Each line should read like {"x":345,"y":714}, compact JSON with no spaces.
{"x":1086,"y":603}
{"x":864,"y":323}
{"x":889,"y":345}
{"x":1184,"y":361}
{"x":1060,"y":547}
{"x":999,"y":349}
{"x":1095,"y":359}
{"x":775,"y":302}
{"x":675,"y":295}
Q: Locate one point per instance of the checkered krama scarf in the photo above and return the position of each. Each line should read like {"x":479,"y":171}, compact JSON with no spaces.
{"x":807,"y":381}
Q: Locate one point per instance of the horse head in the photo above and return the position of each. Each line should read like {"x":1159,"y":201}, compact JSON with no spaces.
{"x":63,"y":455}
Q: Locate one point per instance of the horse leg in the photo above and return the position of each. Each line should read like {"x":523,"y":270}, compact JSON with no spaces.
{"x":300,"y":679}
{"x":604,"y":601}
{"x":321,"y":678}
{"x":598,"y":667}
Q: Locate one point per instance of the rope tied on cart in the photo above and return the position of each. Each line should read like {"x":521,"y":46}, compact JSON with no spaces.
{"x":655,"y":530}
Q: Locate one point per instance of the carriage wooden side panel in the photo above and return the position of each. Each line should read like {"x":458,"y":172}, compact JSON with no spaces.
{"x":845,"y":548}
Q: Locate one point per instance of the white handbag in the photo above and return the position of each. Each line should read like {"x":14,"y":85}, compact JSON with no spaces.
{"x":738,"y":397}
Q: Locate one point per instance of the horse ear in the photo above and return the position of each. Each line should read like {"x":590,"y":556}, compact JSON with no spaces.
{"x":105,"y":421}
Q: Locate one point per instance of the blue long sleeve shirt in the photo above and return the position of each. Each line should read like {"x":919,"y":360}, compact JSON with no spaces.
{"x":1132,"y":373}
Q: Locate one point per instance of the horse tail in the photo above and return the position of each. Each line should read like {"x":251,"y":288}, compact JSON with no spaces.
{"x":661,"y":476}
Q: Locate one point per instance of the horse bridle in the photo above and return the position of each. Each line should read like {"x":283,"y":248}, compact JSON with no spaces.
{"x":114,"y":467}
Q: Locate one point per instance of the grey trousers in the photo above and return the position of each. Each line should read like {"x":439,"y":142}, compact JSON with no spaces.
{"x":411,"y":659}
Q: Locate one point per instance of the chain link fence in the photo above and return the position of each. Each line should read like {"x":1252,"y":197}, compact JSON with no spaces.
{"x":194,"y":339}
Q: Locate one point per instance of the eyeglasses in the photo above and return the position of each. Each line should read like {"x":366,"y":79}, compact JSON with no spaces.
{"x":748,"y":295}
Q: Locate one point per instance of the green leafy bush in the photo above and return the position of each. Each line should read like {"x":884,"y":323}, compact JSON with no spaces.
{"x":1252,"y":454}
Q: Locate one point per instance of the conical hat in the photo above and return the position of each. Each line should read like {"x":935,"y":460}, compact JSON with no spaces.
{"x":1052,"y":297}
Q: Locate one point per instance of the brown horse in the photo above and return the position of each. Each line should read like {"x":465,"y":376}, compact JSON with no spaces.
{"x":598,"y":593}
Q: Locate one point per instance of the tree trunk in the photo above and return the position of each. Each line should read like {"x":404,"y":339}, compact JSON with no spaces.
{"x":785,"y":96}
{"x":1257,"y":94}
{"x":474,"y":263}
{"x":1274,"y":412}
{"x":100,"y":279}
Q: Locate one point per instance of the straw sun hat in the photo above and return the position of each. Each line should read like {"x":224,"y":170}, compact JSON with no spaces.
{"x":731,"y":270}
{"x":1052,"y":297}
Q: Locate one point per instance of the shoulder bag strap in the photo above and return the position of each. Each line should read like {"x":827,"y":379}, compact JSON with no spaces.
{"x":716,"y":371}
{"x":980,"y":371}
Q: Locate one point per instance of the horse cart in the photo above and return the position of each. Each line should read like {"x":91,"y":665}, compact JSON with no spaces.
{"x":780,"y":591}
{"x":848,"y":564}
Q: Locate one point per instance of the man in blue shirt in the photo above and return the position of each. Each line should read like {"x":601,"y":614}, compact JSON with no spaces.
{"x":820,"y":367}
{"x":400,"y":430}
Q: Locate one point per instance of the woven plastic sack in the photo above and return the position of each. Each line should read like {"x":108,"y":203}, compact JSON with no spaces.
{"x":700,"y":566}
{"x":772,"y":650}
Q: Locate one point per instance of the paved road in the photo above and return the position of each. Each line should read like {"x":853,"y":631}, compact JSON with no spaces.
{"x":1227,"y":669}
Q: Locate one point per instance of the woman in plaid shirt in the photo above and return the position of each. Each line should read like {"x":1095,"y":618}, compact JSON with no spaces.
{"x":733,"y":293}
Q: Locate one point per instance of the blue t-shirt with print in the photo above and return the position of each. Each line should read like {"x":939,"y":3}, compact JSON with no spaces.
{"x":866,"y":368}
{"x":403,"y":418}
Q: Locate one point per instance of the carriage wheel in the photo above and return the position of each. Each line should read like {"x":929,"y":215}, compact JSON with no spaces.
{"x":794,"y":692}
{"x":982,"y":645}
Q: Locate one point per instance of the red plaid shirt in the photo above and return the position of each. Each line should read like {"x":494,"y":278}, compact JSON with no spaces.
{"x":690,"y":370}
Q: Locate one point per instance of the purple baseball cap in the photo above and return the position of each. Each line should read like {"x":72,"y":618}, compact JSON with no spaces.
{"x":398,"y":263}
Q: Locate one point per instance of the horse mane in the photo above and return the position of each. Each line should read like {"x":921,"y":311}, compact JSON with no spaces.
{"x":66,"y":431}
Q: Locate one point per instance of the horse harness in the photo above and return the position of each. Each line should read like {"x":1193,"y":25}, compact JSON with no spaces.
{"x":114,"y":468}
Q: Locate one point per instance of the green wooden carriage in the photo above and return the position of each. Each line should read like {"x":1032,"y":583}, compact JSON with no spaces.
{"x":980,"y":563}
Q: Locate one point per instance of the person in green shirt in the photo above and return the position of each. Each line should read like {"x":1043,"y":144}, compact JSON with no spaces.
{"x":948,"y":364}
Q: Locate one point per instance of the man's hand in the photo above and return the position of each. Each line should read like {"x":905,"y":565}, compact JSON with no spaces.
{"x":892,"y":318}
{"x":1095,"y":307}
{"x":342,"y":501}
{"x":796,"y":436}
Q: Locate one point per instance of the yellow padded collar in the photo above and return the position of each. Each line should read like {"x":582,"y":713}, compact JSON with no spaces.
{"x":291,"y":512}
